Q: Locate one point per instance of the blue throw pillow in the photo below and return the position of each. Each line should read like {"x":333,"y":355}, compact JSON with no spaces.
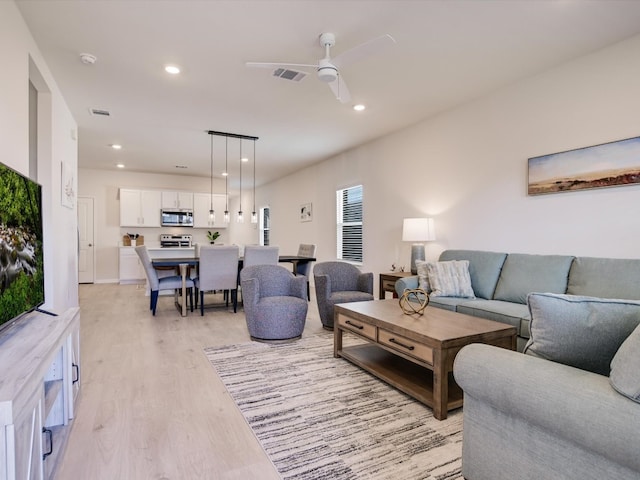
{"x":583,"y":332}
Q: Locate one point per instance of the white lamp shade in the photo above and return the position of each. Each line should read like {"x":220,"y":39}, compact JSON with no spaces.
{"x":418,"y":230}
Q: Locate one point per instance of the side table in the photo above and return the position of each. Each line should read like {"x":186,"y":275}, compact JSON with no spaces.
{"x":388,"y":283}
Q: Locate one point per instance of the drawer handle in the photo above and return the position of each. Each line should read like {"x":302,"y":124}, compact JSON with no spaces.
{"x":359,"y":327}
{"x":408,"y":347}
{"x":49,"y":433}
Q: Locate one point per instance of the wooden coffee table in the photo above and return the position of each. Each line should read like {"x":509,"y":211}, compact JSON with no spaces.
{"x":414,"y":353}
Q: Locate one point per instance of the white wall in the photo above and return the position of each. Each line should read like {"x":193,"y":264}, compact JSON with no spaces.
{"x":22,"y":61}
{"x":467,"y":168}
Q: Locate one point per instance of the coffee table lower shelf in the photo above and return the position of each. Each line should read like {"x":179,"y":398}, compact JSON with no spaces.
{"x":408,"y":377}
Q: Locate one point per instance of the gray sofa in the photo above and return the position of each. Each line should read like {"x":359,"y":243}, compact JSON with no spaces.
{"x":569,"y":408}
{"x":501,"y":283}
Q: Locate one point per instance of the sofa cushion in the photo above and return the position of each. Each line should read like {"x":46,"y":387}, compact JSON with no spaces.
{"x":447,"y":303}
{"x":524,"y":273}
{"x":625,"y":367}
{"x":605,"y":278}
{"x":450,"y":279}
{"x":484,"y":268}
{"x":496,"y":310}
{"x":583,"y":332}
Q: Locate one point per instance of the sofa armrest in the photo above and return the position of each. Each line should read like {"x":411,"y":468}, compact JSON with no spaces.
{"x":570,"y":403}
{"x":406,"y":283}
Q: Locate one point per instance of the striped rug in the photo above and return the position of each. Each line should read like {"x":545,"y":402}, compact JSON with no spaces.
{"x":319,"y":417}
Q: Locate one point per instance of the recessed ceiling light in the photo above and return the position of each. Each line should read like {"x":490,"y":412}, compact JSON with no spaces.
{"x":120,"y":165}
{"x":115,"y":146}
{"x":245,"y":159}
{"x":172,"y":69}
{"x":359,"y":107}
{"x":225,"y":174}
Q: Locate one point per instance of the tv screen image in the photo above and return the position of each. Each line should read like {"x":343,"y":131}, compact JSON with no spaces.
{"x":21,"y":253}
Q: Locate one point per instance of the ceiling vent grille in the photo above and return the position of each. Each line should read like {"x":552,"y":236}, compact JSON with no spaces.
{"x":99,"y":112}
{"x":287,"y":74}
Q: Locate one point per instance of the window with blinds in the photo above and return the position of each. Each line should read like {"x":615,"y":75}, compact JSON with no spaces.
{"x":349,"y":223}
{"x":264,"y":226}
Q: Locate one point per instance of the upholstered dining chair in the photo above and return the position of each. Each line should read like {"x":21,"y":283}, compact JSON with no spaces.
{"x":275,"y":303}
{"x":260,"y":255}
{"x":306,"y":250}
{"x":217,"y":270}
{"x":339,"y":282}
{"x":156,"y":283}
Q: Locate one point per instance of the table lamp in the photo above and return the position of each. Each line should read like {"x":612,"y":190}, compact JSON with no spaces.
{"x":417,"y":230}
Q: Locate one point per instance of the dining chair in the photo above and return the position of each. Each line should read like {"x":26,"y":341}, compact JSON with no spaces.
{"x":260,"y":255}
{"x":305,"y":250}
{"x":218,"y":270}
{"x":156,"y":283}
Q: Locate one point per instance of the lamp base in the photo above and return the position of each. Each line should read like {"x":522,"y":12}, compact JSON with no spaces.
{"x":417,"y":253}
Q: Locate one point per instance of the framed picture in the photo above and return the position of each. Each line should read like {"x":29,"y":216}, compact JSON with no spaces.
{"x":306,"y":213}
{"x":67,"y":191}
{"x":606,"y":165}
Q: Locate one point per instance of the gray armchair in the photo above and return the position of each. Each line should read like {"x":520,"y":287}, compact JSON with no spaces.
{"x":275,"y":303}
{"x":339,"y":282}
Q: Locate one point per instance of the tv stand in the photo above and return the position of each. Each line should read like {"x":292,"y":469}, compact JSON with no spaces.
{"x":40,"y":372}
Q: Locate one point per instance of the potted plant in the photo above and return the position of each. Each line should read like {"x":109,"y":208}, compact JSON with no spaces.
{"x":212,"y":236}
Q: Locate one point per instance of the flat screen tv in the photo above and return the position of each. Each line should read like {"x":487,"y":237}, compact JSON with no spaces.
{"x":21,"y":255}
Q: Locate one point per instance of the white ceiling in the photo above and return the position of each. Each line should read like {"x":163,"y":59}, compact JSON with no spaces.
{"x":446,"y":53}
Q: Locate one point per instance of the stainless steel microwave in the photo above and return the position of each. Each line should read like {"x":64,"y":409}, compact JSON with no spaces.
{"x":177,"y":218}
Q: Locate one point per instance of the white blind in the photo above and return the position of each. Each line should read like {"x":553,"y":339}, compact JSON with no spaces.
{"x":349,"y":223}
{"x":265,"y":224}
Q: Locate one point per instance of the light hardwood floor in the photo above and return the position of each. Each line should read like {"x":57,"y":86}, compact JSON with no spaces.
{"x":151,"y":405}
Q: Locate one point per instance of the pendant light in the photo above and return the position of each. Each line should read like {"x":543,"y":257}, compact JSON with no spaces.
{"x":212,"y":213}
{"x":226,"y":180}
{"x":240,"y":218}
{"x":254,"y":215}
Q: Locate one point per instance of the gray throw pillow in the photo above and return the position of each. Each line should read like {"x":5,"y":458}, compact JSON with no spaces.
{"x":583,"y":332}
{"x":450,"y":279}
{"x":423,"y":276}
{"x":625,"y":367}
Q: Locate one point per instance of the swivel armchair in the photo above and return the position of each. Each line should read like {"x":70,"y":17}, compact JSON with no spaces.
{"x":275,"y":303}
{"x":339,"y":282}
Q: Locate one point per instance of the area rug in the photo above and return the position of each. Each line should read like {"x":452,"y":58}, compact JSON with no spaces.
{"x":318,"y":417}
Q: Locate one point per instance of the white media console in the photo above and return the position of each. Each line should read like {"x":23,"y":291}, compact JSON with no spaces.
{"x":39,"y":384}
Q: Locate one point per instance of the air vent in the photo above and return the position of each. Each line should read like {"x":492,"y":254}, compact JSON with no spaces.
{"x":98,"y":111}
{"x":287,"y":74}
{"x":181,"y":166}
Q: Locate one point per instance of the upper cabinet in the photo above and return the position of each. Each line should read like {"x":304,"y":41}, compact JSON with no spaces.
{"x":201,"y":207}
{"x":140,"y":208}
{"x":181,"y":200}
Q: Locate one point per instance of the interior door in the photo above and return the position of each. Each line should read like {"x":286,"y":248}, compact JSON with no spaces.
{"x":86,"y":260}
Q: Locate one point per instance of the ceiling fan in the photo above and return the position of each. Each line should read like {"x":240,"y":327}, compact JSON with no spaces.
{"x":328,"y":69}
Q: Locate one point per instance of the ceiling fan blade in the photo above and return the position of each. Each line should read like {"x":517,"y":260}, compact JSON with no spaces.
{"x":363,"y":50}
{"x":340,"y":90}
{"x":277,"y":65}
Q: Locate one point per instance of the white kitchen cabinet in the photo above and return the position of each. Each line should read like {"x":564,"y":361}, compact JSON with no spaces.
{"x":37,"y":393}
{"x":140,"y":208}
{"x":130,"y":267}
{"x":201,"y":207}
{"x":180,"y":200}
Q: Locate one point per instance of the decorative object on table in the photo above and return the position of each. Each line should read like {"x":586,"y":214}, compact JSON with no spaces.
{"x":212,"y":236}
{"x":584,"y":168}
{"x":414,"y":301}
{"x":417,"y":230}
{"x":132,"y":239}
{"x":306,"y":212}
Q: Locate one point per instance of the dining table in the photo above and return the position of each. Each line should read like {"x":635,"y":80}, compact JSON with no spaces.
{"x":184,"y":264}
